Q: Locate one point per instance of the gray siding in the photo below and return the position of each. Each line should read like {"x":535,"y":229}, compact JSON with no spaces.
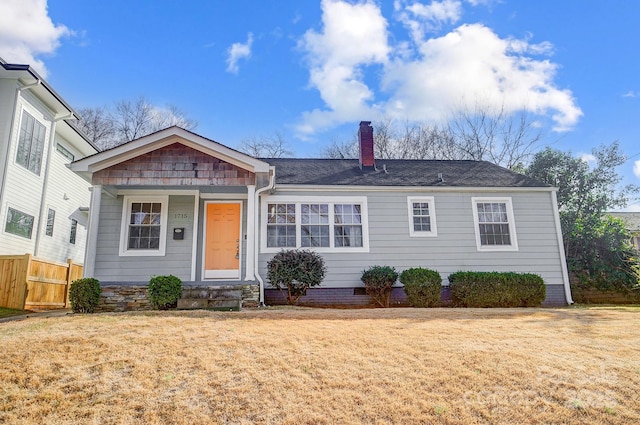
{"x":110,"y":267}
{"x":454,"y":248}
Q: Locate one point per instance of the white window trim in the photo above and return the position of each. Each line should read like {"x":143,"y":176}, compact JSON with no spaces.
{"x":331,"y":200}
{"x":124,"y":226}
{"x":512,"y":224}
{"x":432,"y":215}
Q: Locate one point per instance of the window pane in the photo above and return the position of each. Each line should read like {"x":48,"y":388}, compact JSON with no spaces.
{"x":19,"y":223}
{"x":493,"y":224}
{"x":315,"y":236}
{"x":51,"y":216}
{"x":145,"y":225}
{"x":74,"y":230}
{"x":30,"y":143}
{"x":348,"y":236}
{"x":421,"y":218}
{"x":281,"y":236}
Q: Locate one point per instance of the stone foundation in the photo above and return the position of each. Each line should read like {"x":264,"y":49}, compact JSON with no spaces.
{"x":134,"y":297}
{"x":116,"y":298}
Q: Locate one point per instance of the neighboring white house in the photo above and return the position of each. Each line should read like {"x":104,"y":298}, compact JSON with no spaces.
{"x":43,"y":204}
{"x":174,"y":202}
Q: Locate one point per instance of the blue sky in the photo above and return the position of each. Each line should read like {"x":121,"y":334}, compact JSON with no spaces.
{"x":311,"y":70}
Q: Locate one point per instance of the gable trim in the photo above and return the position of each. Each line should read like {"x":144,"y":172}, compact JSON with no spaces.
{"x":162,"y":139}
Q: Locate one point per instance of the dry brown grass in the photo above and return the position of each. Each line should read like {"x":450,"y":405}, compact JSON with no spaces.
{"x":291,"y":366}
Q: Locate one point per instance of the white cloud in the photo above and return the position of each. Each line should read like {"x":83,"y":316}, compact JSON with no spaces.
{"x":631,"y":93}
{"x":353,"y":35}
{"x":26,"y":32}
{"x":238,"y":51}
{"x":421,"y":18}
{"x":631,"y":208}
{"x":425,"y":80}
{"x":587,"y":157}
{"x":636,"y":169}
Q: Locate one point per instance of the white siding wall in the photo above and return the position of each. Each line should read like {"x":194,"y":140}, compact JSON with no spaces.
{"x":22,"y":188}
{"x":454,"y":248}
{"x":66,"y":193}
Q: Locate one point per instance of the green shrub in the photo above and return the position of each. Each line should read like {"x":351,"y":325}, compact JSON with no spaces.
{"x":84,"y":295}
{"x":164,"y":291}
{"x":378,"y":282}
{"x":493,"y":289}
{"x":295,"y":271}
{"x":422,"y":286}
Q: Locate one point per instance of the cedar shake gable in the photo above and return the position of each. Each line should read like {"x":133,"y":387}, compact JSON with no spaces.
{"x":174,"y":165}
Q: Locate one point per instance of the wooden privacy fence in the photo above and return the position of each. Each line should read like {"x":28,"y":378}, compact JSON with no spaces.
{"x":33,"y":283}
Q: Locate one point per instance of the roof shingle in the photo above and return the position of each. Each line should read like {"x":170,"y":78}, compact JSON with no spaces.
{"x":397,"y":172}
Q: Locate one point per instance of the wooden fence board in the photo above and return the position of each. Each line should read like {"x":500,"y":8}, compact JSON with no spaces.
{"x":28,"y":282}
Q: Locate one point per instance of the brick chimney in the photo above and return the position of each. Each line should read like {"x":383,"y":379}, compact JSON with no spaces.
{"x":365,"y":137}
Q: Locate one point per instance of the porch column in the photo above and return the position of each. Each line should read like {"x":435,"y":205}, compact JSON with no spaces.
{"x":251,"y":233}
{"x":92,"y":231}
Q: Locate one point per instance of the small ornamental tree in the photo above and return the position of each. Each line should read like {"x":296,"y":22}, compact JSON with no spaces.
{"x":295,"y":271}
{"x":164,"y":291}
{"x":378,"y":283}
{"x":84,"y":295}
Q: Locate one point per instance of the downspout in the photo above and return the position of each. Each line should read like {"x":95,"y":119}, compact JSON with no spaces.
{"x":11,"y":125}
{"x":45,"y":185}
{"x":256,"y":241}
{"x":563,"y":258}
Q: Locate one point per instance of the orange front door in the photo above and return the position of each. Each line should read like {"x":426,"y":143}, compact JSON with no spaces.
{"x":222,"y":243}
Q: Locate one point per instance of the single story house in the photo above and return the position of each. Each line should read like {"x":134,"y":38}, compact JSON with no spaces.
{"x":174,"y":202}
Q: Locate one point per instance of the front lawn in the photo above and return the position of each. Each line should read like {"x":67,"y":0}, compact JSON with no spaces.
{"x":296,"y":366}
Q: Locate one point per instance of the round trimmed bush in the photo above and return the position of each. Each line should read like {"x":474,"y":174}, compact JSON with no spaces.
{"x":378,"y":283}
{"x":165,"y":291}
{"x":295,"y":271}
{"x":422,"y":286}
{"x":84,"y":295}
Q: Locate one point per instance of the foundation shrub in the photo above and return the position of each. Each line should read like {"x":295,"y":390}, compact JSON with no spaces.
{"x":422,"y":286}
{"x":84,"y":295}
{"x":165,"y":291}
{"x":378,"y":283}
{"x":494,"y":289}
{"x":295,"y":271}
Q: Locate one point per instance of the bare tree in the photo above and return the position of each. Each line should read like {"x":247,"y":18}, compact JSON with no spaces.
{"x":95,"y":123}
{"x":473,"y":134}
{"x":128,"y":120}
{"x":274,"y":146}
{"x":496,"y":136}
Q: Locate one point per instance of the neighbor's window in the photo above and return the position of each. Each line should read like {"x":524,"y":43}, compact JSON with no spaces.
{"x":74,"y":231}
{"x":495,"y":228}
{"x":422,"y":216}
{"x":144,"y":226}
{"x":317,"y":223}
{"x":51,"y":217}
{"x":30,"y":143}
{"x":65,"y":152}
{"x":19,"y":223}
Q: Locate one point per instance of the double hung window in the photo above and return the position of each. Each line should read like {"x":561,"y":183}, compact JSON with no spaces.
{"x":494,"y":224}
{"x":144,"y":225}
{"x":422,"y":216}
{"x":323,"y":224}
